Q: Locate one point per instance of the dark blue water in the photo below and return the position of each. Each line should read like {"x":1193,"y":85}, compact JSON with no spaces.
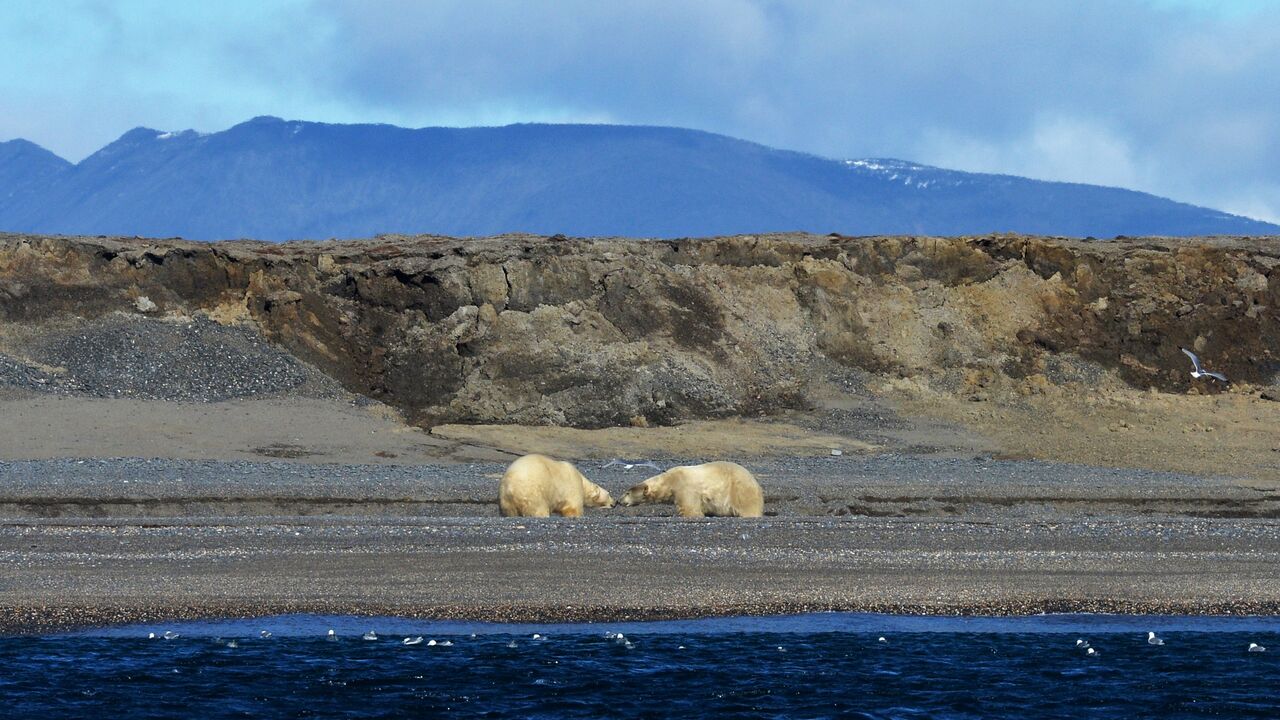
{"x":830,"y":665}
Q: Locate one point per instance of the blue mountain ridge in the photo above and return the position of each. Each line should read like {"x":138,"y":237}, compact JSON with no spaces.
{"x":274,"y":179}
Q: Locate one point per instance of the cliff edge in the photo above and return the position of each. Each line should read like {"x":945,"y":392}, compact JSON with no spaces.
{"x":602,"y":332}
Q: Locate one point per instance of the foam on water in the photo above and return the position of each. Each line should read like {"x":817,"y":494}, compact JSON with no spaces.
{"x":302,"y":626}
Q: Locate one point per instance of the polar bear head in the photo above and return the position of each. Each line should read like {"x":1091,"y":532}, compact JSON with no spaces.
{"x":595,"y":496}
{"x":655,"y":489}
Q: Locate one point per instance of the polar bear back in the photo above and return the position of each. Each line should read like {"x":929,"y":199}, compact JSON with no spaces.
{"x":723,"y":489}
{"x":538,"y":486}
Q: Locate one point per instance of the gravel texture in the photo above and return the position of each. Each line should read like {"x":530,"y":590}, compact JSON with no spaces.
{"x":194,"y":360}
{"x":873,"y":486}
{"x":128,"y":540}
{"x":17,"y":374}
{"x":62,"y":576}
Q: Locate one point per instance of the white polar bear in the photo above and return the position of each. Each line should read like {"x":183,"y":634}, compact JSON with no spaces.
{"x":537,"y":486}
{"x":721,"y":489}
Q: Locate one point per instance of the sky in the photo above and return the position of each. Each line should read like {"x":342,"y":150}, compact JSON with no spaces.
{"x":1176,"y":97}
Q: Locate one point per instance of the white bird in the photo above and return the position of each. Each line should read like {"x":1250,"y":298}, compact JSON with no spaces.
{"x":170,"y":635}
{"x":371,"y":635}
{"x":412,"y":641}
{"x":233,"y":644}
{"x":536,"y":636}
{"x":629,"y":465}
{"x":881,"y":639}
{"x":511,"y":644}
{"x":1091,"y":651}
{"x":1153,"y":640}
{"x":447,"y":643}
{"x":1198,"y":371}
{"x":151,"y":636}
{"x":432,"y":643}
{"x":332,"y":636}
{"x":1082,"y":643}
{"x":1255,"y":647}
{"x":264,"y":634}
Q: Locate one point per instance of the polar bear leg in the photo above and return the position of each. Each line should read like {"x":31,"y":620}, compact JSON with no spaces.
{"x":689,"y":503}
{"x":568,"y":509}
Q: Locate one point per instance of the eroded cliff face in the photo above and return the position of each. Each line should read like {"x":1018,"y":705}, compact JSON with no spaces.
{"x":534,"y":330}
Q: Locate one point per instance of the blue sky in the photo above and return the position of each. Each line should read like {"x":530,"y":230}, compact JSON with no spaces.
{"x":1176,"y":97}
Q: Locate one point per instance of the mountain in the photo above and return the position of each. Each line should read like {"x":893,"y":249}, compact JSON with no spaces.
{"x":24,"y":167}
{"x":274,"y":179}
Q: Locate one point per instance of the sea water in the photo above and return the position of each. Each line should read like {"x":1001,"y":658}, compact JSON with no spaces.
{"x":808,"y":666}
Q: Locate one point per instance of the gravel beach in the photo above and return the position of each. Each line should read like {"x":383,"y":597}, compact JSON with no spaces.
{"x":89,"y":542}
{"x":63,"y":576}
{"x":800,"y":487}
{"x":169,"y":469}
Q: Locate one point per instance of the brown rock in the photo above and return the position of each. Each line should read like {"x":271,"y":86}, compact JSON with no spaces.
{"x":599,"y":332}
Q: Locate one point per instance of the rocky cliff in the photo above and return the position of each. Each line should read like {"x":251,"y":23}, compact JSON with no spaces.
{"x":538,"y":330}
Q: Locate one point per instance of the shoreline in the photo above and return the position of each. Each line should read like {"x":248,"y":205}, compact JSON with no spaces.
{"x":26,"y":622}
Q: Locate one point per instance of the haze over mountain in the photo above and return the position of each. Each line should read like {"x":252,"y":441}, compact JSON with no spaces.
{"x":274,"y":179}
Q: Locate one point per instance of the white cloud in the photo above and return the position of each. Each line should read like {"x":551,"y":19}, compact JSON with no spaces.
{"x":1065,"y":149}
{"x":1260,"y":201}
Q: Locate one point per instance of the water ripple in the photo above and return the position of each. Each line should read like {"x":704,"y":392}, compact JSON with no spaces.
{"x":726,"y":669}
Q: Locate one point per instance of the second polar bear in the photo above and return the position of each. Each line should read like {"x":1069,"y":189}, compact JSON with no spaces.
{"x":721,"y":489}
{"x":537,"y":486}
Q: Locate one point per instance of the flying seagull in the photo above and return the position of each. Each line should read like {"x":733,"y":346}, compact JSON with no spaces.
{"x":627,"y":465}
{"x":1198,"y":370}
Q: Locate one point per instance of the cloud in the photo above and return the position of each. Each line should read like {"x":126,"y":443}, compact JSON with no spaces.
{"x":1176,"y":97}
{"x":1166,"y":97}
{"x":1067,"y":149}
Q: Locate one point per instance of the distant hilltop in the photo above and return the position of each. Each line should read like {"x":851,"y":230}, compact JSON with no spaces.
{"x":273,"y":179}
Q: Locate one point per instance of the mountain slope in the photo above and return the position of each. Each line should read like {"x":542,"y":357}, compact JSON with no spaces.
{"x":273,"y":179}
{"x":24,"y":168}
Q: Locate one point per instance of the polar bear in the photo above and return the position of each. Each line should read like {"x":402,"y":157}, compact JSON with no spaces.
{"x":537,"y":486}
{"x":721,"y":489}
